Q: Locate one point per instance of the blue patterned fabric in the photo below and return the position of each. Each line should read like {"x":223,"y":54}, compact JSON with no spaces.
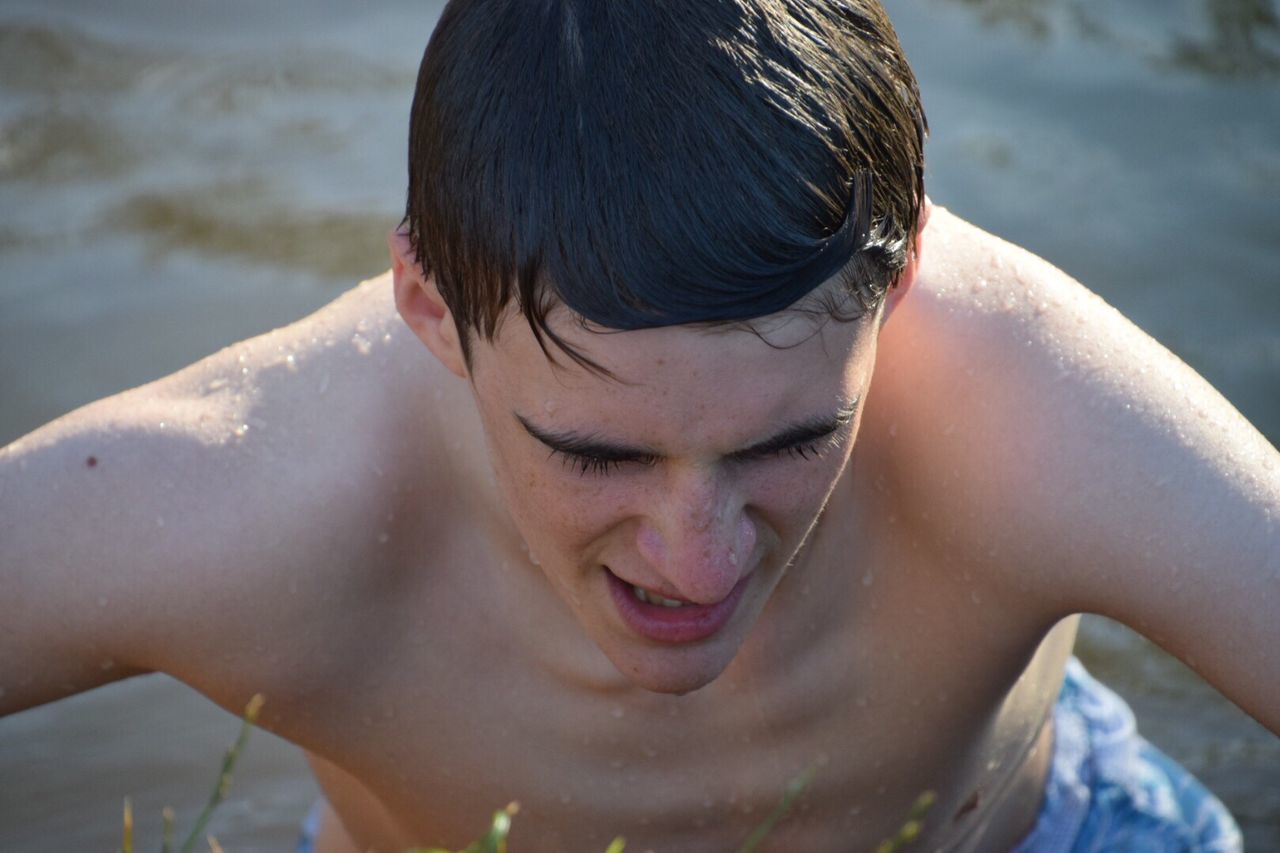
{"x":1110,"y":790}
{"x":310,"y":828}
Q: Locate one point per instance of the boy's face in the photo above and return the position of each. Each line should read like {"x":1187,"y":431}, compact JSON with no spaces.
{"x":694,"y":475}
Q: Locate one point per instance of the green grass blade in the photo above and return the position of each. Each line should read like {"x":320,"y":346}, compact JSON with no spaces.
{"x":224,"y":778}
{"x":794,"y":788}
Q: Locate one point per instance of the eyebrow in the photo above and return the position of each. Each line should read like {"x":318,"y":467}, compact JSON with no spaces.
{"x":595,"y":447}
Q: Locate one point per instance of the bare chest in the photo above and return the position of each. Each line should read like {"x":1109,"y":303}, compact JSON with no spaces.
{"x":896,"y":701}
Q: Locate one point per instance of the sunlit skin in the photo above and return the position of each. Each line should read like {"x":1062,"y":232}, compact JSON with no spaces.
{"x":686,"y":472}
{"x":351,"y":515}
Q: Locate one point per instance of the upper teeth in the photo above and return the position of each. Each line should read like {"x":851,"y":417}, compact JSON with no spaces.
{"x":653,"y":598}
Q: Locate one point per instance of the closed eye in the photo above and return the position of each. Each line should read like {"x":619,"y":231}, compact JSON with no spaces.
{"x":587,"y":463}
{"x":806,"y":441}
{"x":588,"y":454}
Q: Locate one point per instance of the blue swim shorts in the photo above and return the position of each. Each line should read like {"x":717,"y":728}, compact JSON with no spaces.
{"x":1109,"y":791}
{"x":310,"y":828}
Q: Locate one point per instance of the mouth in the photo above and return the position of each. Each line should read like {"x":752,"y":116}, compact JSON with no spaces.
{"x":670,"y":620}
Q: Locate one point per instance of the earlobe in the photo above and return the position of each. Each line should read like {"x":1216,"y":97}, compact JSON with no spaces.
{"x":422,"y":307}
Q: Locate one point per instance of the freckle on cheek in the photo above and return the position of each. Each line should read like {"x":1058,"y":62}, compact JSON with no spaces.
{"x":91,"y":462}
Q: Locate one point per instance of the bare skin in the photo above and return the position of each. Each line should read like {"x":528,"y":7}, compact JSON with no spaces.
{"x":317,"y":515}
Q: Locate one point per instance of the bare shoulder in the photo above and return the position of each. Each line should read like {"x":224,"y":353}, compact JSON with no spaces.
{"x":1040,"y":434}
{"x":215,"y":515}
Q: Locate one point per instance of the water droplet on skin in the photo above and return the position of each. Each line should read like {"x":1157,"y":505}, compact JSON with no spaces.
{"x":992,"y":764}
{"x":215,"y":385}
{"x":867,"y":579}
{"x":107,"y":665}
{"x":361,"y":343}
{"x":291,"y":362}
{"x":324,"y":384}
{"x":617,"y":712}
{"x":975,"y":598}
{"x":386,"y":337}
{"x":103,"y":601}
{"x":566,"y":799}
{"x":384,"y":538}
{"x":893,"y":430}
{"x":241,"y":431}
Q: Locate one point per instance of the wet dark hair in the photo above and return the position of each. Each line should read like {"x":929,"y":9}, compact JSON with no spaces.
{"x":654,"y":163}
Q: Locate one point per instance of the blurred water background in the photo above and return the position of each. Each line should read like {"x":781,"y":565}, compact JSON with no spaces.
{"x":174,"y":177}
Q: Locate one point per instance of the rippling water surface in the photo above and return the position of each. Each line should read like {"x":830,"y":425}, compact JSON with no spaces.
{"x":177,"y":176}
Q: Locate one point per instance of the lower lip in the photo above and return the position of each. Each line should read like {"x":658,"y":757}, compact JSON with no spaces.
{"x":685,"y":624}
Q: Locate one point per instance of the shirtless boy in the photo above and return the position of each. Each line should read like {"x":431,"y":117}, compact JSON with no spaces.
{"x":684,"y":448}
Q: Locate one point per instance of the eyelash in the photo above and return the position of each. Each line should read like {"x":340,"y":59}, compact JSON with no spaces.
{"x":600,"y":466}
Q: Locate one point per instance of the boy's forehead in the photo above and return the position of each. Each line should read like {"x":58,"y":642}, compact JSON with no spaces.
{"x":675,"y":369}
{"x":783,"y":330}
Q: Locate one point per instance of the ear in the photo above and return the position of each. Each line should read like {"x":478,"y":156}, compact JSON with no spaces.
{"x":422,"y":307}
{"x":908,"y":275}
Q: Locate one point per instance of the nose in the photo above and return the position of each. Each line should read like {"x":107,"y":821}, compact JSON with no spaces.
{"x":698,"y":536}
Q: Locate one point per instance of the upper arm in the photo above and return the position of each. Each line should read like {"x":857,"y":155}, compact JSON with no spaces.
{"x":151,"y":531}
{"x":74,"y":556}
{"x":1094,"y":468}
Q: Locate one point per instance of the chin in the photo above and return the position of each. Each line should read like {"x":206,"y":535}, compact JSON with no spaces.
{"x":674,"y":671}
